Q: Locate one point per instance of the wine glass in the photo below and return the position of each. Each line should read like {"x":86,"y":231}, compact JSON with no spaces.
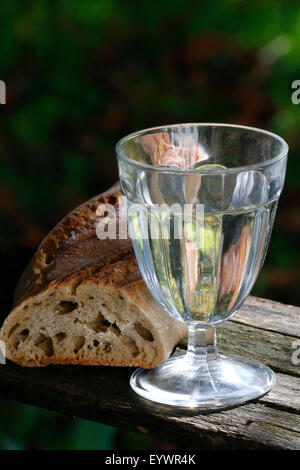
{"x":200,"y":264}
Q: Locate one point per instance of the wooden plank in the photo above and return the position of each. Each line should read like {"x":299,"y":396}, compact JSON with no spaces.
{"x":285,"y":395}
{"x":103,"y":394}
{"x":254,"y":422}
{"x":272,"y":349}
{"x":269,"y":315}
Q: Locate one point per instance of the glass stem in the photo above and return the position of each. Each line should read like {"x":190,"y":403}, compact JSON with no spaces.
{"x":202,"y":345}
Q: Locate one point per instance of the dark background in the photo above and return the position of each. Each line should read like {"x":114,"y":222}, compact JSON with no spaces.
{"x":80,"y":74}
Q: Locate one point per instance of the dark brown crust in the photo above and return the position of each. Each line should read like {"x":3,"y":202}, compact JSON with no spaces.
{"x":72,"y":252}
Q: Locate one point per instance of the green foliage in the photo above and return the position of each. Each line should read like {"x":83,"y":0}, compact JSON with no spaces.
{"x":32,"y":125}
{"x":27,"y":427}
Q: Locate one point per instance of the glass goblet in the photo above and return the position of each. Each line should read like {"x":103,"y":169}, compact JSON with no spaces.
{"x":200,"y":264}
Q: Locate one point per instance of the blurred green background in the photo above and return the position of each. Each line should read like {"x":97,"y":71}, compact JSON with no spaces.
{"x":80,"y":74}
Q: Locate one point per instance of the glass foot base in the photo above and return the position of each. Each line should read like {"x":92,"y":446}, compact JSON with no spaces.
{"x":213,"y":384}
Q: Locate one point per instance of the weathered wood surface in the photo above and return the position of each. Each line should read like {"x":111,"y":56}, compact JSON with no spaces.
{"x":262,"y":330}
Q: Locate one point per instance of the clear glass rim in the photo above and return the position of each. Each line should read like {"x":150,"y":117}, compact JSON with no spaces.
{"x":282,"y":154}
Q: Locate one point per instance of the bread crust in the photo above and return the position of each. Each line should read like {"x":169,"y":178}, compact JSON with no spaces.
{"x":73,"y":266}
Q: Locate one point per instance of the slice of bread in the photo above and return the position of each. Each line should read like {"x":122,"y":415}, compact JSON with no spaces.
{"x":82,"y":300}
